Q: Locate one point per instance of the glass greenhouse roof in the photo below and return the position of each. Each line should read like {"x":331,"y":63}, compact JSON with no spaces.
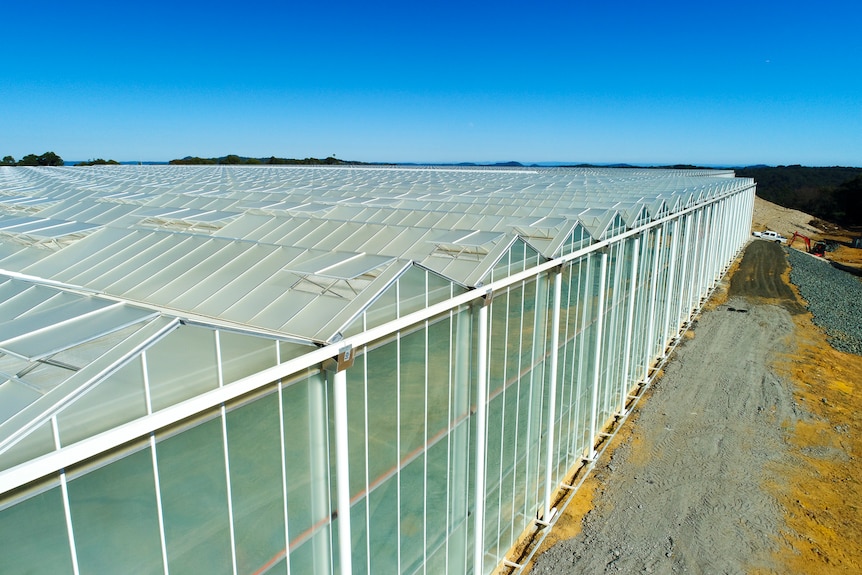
{"x":287,"y":249}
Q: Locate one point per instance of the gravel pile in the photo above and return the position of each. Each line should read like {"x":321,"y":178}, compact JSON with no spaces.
{"x":833,"y":296}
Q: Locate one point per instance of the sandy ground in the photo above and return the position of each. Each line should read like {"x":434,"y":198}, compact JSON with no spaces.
{"x":745,"y":457}
{"x":769,"y":216}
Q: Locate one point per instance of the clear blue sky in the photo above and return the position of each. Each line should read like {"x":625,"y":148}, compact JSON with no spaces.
{"x":732,"y":82}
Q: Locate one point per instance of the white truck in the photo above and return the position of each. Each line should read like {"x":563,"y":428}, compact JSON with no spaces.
{"x":770,"y":236}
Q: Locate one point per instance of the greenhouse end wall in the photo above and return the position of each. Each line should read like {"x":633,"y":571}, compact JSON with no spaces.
{"x":428,"y":449}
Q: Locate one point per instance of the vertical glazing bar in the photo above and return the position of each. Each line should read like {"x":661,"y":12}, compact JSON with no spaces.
{"x":231,"y":530}
{"x":223,"y":418}
{"x":283,"y":464}
{"x":425,"y":451}
{"x":552,"y":408}
{"x":627,"y":349}
{"x":398,"y":444}
{"x":342,"y":471}
{"x":682,"y":303}
{"x":366,"y":450}
{"x":671,"y":277}
{"x":705,"y":255}
{"x":598,"y":355}
{"x":481,"y":413}
{"x":653,"y":295}
{"x":159,"y":510}
{"x":694,"y":303}
{"x":67,"y":509}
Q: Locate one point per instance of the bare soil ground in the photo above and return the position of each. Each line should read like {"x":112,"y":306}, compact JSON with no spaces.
{"x":769,"y":216}
{"x":745,"y":457}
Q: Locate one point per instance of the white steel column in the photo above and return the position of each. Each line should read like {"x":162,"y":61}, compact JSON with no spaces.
{"x":653,"y":293}
{"x":697,"y":263}
{"x":552,"y":408}
{"x":67,"y":506}
{"x":598,"y":357}
{"x":686,"y":248}
{"x":629,"y":327}
{"x":705,"y":261}
{"x":342,"y":464}
{"x":671,"y":277}
{"x":481,"y":414}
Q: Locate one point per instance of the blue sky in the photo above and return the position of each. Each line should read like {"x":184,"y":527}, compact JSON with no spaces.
{"x":725,"y":83}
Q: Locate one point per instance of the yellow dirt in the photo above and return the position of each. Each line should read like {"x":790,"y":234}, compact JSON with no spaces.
{"x":821,"y":491}
{"x":819,"y":485}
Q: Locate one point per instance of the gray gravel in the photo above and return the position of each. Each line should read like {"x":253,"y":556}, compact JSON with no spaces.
{"x":833,"y":296}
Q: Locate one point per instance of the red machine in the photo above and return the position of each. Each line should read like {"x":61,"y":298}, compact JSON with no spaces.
{"x":818,"y":249}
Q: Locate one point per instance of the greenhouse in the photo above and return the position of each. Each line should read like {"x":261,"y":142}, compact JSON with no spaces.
{"x":255,"y":369}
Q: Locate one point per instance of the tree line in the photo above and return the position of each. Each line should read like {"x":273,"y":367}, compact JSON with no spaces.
{"x":235,"y":160}
{"x":46,"y":159}
{"x":833,"y":194}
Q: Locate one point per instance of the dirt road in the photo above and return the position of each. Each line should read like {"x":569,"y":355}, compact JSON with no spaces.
{"x":711,"y":475}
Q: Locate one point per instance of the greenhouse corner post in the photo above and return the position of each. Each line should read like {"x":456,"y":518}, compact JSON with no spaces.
{"x":671,"y":276}
{"x":594,"y":413}
{"x":627,"y":350}
{"x":342,"y":464}
{"x":481,"y":409}
{"x":648,"y":348}
{"x":552,"y":408}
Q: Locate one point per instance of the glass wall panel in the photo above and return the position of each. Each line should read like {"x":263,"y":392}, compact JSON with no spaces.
{"x":383,"y":457}
{"x":115,"y":517}
{"x":441,"y":289}
{"x":34,"y":537}
{"x":412,"y":290}
{"x":254,"y":452}
{"x":412,"y":508}
{"x":307,"y":456}
{"x":181,"y":366}
{"x":38,"y":442}
{"x":117,"y":400}
{"x":440,"y":370}
{"x":383,"y":310}
{"x":436,"y":489}
{"x":243,"y":355}
{"x":194,"y":500}
{"x":412,"y":393}
{"x":384,"y":517}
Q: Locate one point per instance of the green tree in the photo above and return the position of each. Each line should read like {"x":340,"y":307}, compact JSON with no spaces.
{"x":7,"y":161}
{"x":50,"y":159}
{"x":848,"y":196}
{"x":231,"y":159}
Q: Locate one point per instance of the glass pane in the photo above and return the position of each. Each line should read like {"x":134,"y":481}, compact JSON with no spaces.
{"x":382,"y":412}
{"x":383,"y":516}
{"x":117,"y":400}
{"x":439,"y":366}
{"x":382,"y":310}
{"x":115,"y":519}
{"x":412,"y":414}
{"x":38,"y":442}
{"x":412,"y":515}
{"x":254,"y":449}
{"x":308,"y":492}
{"x":182,"y":366}
{"x":244,"y":355}
{"x":194,"y":500}
{"x":34,"y":536}
{"x":411,"y":291}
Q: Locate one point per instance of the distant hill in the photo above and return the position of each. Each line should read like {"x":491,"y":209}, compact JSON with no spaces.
{"x":234,"y":160}
{"x":830,"y":193}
